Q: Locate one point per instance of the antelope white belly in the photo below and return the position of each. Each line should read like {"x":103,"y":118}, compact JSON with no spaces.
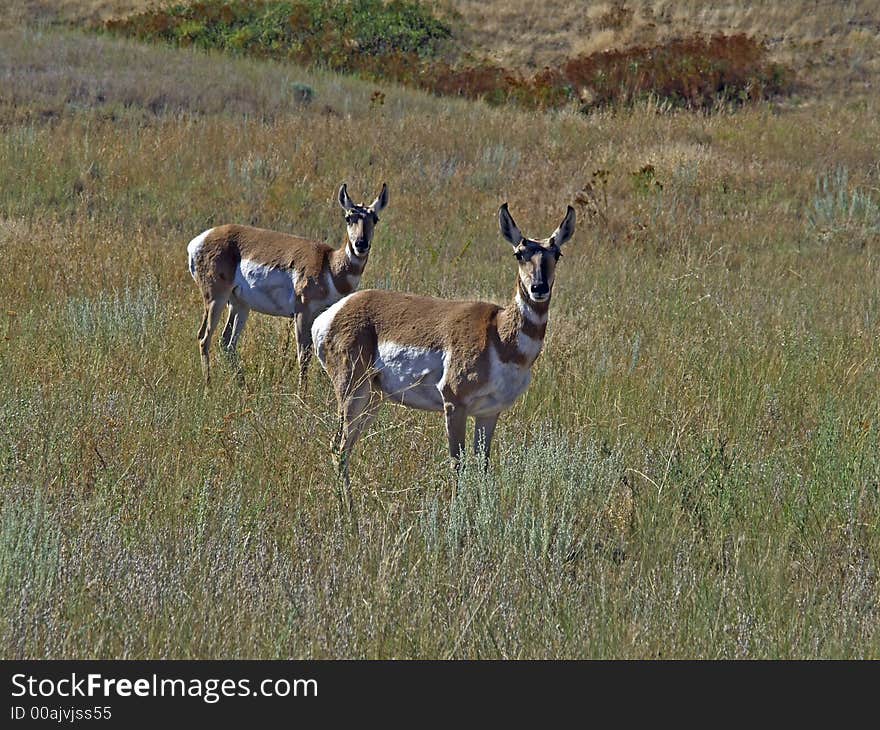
{"x":507,"y":382}
{"x":266,"y":289}
{"x":409,"y":375}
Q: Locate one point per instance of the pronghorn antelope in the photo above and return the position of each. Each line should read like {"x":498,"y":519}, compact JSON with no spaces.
{"x":462,"y":358}
{"x":275,"y":273}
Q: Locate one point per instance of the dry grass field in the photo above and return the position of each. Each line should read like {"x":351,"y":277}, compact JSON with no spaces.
{"x":694,"y":471}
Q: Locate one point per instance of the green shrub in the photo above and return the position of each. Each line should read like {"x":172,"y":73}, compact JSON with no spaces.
{"x":303,"y":93}
{"x":333,"y":32}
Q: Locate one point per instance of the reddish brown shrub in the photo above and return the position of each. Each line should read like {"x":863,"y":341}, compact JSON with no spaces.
{"x":694,"y":72}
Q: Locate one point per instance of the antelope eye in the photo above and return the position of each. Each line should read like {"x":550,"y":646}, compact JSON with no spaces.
{"x":349,"y":218}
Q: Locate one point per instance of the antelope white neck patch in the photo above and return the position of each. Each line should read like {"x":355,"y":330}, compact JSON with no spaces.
{"x":528,"y":312}
{"x":530,"y":347}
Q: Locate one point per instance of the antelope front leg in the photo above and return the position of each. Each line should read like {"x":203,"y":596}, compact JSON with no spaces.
{"x":213,"y":309}
{"x":238,"y":316}
{"x":303,"y":347}
{"x":357,"y":408}
{"x":226,"y":337}
{"x":456,"y":426}
{"x":484,"y":428}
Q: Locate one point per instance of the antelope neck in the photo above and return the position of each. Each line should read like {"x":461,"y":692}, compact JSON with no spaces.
{"x":344,"y":261}
{"x":524,"y":316}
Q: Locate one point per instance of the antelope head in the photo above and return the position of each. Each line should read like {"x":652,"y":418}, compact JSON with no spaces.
{"x":536,"y":258}
{"x":361,"y":220}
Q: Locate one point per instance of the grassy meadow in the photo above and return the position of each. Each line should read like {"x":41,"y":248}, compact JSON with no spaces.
{"x":694,"y":471}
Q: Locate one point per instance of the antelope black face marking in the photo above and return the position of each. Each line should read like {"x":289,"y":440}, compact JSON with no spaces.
{"x":361,"y":220}
{"x":536,"y":258}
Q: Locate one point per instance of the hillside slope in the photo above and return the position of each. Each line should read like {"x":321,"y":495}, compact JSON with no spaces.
{"x":835,"y":46}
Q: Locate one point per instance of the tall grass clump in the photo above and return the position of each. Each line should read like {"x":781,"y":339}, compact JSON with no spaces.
{"x":111,"y":318}
{"x":539,"y":501}
{"x":123,"y":577}
{"x":841,"y":208}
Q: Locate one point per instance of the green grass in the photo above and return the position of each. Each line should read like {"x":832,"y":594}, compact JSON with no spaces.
{"x":693,"y":472}
{"x":324,"y":30}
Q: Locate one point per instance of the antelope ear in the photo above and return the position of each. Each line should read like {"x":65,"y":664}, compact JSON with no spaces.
{"x":344,"y":200}
{"x":565,"y":229}
{"x":508,"y":227}
{"x":381,"y":200}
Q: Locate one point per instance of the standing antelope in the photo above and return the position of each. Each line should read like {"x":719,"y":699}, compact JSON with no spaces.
{"x":462,"y":358}
{"x":275,"y":273}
